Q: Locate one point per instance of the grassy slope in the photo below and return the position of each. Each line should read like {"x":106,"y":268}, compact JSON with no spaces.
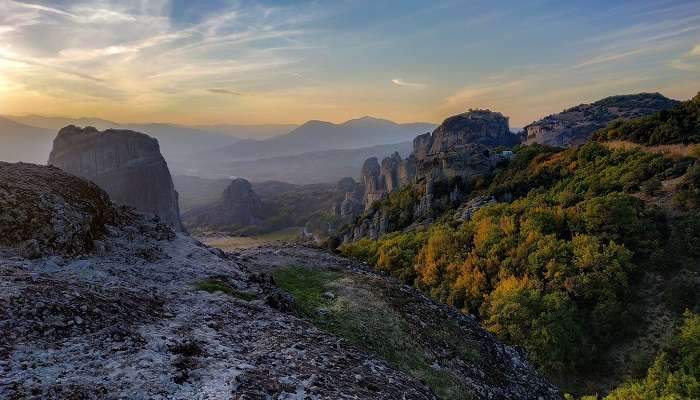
{"x":369,"y":315}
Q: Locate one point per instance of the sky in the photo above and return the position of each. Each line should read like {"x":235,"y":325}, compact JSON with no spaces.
{"x":255,"y":62}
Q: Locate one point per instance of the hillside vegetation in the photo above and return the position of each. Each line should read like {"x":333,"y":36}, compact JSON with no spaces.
{"x":680,"y":124}
{"x":559,"y":269}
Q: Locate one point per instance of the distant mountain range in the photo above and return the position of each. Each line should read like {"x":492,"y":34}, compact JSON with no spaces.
{"x":320,"y":135}
{"x":237,"y":131}
{"x":175,"y":140}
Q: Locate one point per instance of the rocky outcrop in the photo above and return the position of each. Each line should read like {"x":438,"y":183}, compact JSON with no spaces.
{"x":572,"y":127}
{"x":457,"y":351}
{"x":348,"y":202}
{"x":44,"y":211}
{"x":484,"y":127}
{"x":462,"y":146}
{"x":464,"y":161}
{"x":468,"y":209}
{"x":374,"y":182}
{"x":239,"y":207}
{"x":128,"y":165}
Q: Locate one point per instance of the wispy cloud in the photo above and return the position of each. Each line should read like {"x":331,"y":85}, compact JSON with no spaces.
{"x":470,"y":96}
{"x":689,"y":61}
{"x":135,"y":48}
{"x":605,"y":58}
{"x":401,"y":82}
{"x":225,"y":91}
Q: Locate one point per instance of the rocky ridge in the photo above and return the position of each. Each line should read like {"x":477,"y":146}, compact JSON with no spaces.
{"x":128,"y":165}
{"x":156,"y":314}
{"x":573,"y":126}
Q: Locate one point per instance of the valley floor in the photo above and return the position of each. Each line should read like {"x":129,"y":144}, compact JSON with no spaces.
{"x":232,"y":243}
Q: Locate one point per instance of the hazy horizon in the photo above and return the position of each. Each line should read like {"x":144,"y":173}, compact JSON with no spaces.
{"x":283,"y":62}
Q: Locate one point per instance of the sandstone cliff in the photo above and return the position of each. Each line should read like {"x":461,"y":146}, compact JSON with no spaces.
{"x":239,"y":207}
{"x":573,"y":126}
{"x":128,"y":165}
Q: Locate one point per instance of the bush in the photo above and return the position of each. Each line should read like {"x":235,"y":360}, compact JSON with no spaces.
{"x":670,"y":377}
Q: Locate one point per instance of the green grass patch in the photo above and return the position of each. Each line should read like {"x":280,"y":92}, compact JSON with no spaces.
{"x":369,"y":316}
{"x":216,"y":285}
{"x":307,"y":286}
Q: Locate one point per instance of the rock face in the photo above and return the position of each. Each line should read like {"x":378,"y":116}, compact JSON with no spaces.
{"x":238,"y":207}
{"x":128,"y":165}
{"x":465,"y":161}
{"x":483,"y":127}
{"x":161,"y":316}
{"x":375,"y":185}
{"x":572,"y":127}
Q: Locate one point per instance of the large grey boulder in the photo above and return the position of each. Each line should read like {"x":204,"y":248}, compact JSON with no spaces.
{"x":128,"y":165}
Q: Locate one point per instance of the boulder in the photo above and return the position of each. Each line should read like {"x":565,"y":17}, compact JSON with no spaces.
{"x":44,"y":211}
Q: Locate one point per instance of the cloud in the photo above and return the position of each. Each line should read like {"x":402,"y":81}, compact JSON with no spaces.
{"x":472,"y":95}
{"x":695,"y":51}
{"x":39,"y":7}
{"x":605,"y":58}
{"x":225,"y":91}
{"x":401,"y":82}
{"x":134,"y":51}
{"x":683,"y":65}
{"x":688,"y":61}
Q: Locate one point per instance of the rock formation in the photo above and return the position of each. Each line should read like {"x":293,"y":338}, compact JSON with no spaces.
{"x":239,"y":207}
{"x":482,"y":127}
{"x":375,"y":185}
{"x":128,"y":165}
{"x":460,"y":147}
{"x":573,"y":126}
